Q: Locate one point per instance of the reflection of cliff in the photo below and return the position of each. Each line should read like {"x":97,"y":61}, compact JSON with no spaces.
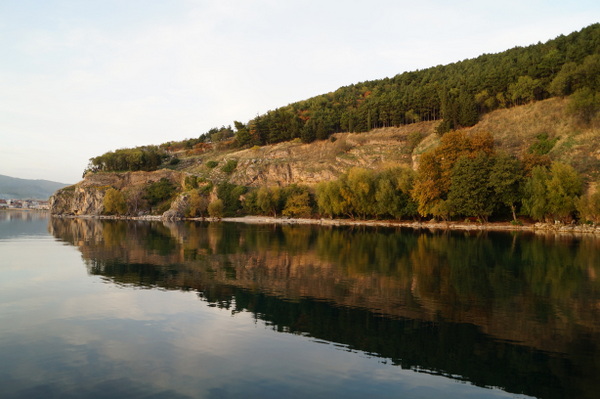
{"x":441,"y":295}
{"x":497,"y":281}
{"x":130,"y":242}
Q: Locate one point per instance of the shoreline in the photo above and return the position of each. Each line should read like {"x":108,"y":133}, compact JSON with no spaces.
{"x":428,"y":225}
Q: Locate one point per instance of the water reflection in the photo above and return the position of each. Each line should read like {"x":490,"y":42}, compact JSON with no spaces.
{"x":23,"y":223}
{"x":515,"y":311}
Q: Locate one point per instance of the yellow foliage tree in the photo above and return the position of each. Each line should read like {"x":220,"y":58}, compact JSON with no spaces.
{"x":114,"y":202}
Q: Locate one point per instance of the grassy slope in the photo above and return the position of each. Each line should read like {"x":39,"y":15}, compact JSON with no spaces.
{"x":515,"y":129}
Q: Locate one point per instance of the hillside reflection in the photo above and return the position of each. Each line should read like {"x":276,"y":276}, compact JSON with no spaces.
{"x":520,"y":312}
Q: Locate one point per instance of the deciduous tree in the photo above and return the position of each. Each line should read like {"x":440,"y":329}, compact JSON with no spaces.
{"x":114,"y":202}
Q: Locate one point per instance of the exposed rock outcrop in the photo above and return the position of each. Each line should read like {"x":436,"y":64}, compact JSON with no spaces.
{"x":292,"y":162}
{"x":86,"y":197}
{"x":178,"y":207}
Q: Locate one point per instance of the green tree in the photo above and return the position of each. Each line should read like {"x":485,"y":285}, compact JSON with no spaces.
{"x":242,"y":135}
{"x":230,"y":195}
{"x":467,"y":110}
{"x":392,"y":195}
{"x":361,"y":190}
{"x":552,"y":194}
{"x":268,"y":199}
{"x":563,"y":187}
{"x":434,"y":176}
{"x":160,"y":191}
{"x":535,"y":198}
{"x":524,"y":90}
{"x":563,"y":83}
{"x":329,"y":199}
{"x":470,"y":193}
{"x":584,"y":104}
{"x":249,"y":204}
{"x":506,"y":180}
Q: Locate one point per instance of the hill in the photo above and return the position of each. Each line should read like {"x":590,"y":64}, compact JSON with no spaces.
{"x":15,"y":188}
{"x":245,"y":180}
{"x":454,"y":96}
{"x":502,"y":135}
{"x":515,"y":131}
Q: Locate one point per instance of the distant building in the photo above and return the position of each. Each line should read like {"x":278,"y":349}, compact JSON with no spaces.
{"x":24,"y":204}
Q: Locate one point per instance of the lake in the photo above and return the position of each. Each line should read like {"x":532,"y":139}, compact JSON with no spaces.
{"x":140,"y":309}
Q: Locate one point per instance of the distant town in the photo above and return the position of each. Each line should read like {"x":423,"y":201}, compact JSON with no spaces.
{"x":24,"y":204}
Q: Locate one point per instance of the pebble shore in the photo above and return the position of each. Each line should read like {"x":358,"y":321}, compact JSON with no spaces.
{"x":429,"y":225}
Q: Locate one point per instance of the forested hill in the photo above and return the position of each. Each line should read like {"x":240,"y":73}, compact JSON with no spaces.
{"x":457,"y":95}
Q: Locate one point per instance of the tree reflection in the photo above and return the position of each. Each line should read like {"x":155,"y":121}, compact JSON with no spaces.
{"x":517,"y":311}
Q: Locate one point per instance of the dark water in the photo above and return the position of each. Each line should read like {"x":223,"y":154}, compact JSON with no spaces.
{"x":187,"y":310}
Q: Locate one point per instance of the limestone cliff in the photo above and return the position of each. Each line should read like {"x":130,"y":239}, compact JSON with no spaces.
{"x":295,"y":162}
{"x":275,"y":165}
{"x":86,"y":197}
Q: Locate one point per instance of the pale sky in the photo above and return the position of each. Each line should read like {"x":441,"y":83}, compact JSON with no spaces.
{"x":79,"y":78}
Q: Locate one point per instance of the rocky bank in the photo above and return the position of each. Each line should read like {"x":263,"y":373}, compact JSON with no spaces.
{"x":86,"y":197}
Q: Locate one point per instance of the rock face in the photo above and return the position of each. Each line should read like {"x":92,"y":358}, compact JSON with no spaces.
{"x":295,"y":162}
{"x":178,"y":207}
{"x":274,"y":165}
{"x":86,"y":197}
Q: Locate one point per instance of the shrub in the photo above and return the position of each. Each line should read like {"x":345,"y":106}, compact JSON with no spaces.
{"x":230,"y":166}
{"x":543,"y":145}
{"x":191,"y":182}
{"x":159,"y":191}
{"x":215,"y":209}
{"x":414,"y":138}
{"x":588,"y":207}
{"x":211,"y":164}
{"x":197,"y":205}
{"x":230,"y":195}
{"x":249,"y":205}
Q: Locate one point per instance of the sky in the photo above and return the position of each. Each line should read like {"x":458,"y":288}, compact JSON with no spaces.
{"x":80,"y":78}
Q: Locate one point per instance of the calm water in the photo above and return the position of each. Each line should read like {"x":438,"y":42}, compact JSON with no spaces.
{"x":188,"y":310}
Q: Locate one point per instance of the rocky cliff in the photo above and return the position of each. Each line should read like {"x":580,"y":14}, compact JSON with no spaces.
{"x":275,"y":165}
{"x":87,"y":196}
{"x":295,"y":162}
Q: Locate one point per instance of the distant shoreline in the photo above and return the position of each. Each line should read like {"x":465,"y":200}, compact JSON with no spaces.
{"x":425,"y":225}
